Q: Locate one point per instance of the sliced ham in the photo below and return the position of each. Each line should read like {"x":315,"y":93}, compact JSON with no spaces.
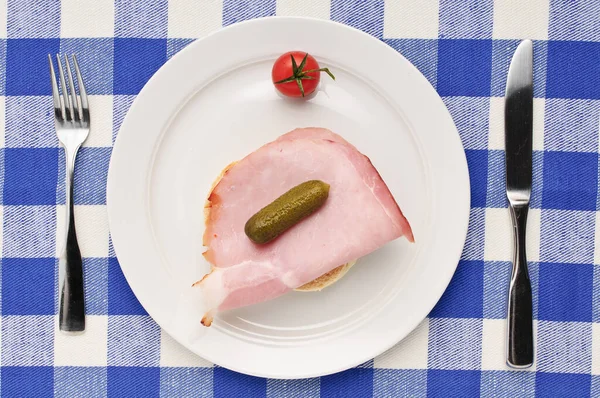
{"x":359,"y":217}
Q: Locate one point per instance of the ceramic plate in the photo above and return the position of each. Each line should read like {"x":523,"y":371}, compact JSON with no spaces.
{"x":214,"y":103}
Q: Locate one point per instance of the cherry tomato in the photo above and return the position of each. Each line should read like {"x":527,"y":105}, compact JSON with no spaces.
{"x":297,"y":74}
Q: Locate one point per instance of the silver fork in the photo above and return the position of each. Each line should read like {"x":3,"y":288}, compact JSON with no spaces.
{"x":72,"y":123}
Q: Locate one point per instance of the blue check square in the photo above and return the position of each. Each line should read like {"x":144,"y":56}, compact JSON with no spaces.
{"x":2,"y":66}
{"x":91,"y":171}
{"x":133,"y":340}
{"x":573,"y":70}
{"x":136,"y":60}
{"x":464,"y":67}
{"x":141,"y":19}
{"x":471,"y":116}
{"x":565,"y":292}
{"x":27,"y":70}
{"x":95,"y":273}
{"x":27,"y":381}
{"x":30,"y":176}
{"x":29,"y":231}
{"x":358,"y":380}
{"x":27,"y":341}
{"x":503,"y":384}
{"x":564,"y":347}
{"x":574,"y":20}
{"x":566,"y":236}
{"x":571,"y":115}
{"x":478,"y":171}
{"x":129,"y":381}
{"x":18,"y":277}
{"x":400,"y":383}
{"x":455,"y":344}
{"x":121,"y":300}
{"x":464,"y":296}
{"x":552,"y":385}
{"x":366,"y":15}
{"x":186,"y":382}
{"x":421,"y":53}
{"x":33,"y":18}
{"x":453,"y":383}
{"x":231,"y":384}
{"x":80,"y":382}
{"x":570,"y":180}
{"x":475,"y":242}
{"x":238,"y":11}
{"x":466,"y":19}
{"x":496,"y":180}
{"x":95,"y":58}
{"x":29,"y":122}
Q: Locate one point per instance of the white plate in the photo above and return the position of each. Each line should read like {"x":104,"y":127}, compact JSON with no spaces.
{"x":213,"y":103}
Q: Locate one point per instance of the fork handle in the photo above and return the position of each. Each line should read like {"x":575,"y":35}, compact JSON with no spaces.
{"x":520,"y":311}
{"x":72,"y":304}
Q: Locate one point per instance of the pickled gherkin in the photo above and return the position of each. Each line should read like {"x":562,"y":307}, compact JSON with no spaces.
{"x":286,"y":211}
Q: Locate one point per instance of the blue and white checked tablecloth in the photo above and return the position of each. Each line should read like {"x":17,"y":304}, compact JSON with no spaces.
{"x":462,"y":47}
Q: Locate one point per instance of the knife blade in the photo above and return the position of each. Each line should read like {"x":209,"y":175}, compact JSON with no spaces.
{"x":518,"y":136}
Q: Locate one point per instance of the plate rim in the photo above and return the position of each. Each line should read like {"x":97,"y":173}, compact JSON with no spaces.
{"x":113,"y":177}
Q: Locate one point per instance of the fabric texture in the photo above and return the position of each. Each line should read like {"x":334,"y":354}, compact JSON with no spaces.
{"x":462,"y":47}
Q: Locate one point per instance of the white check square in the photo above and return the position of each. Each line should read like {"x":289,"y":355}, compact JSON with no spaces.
{"x":87,"y":18}
{"x":499,"y":235}
{"x":494,"y":345}
{"x":516,"y":19}
{"x":410,"y":353}
{"x":305,"y":8}
{"x":3,"y":19}
{"x":91,"y":222}
{"x":87,"y":349}
{"x":411,"y":19}
{"x":173,"y":354}
{"x":101,"y":117}
{"x":496,"y":132}
{"x":194,"y":19}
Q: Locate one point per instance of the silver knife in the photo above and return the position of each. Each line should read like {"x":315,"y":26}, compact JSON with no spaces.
{"x":518,"y":130}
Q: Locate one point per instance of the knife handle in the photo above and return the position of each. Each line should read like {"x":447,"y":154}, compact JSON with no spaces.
{"x":520,"y":313}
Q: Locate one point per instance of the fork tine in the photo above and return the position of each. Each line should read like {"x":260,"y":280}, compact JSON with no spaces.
{"x":59,"y":109}
{"x":74,"y":103}
{"x":82,"y":92}
{"x":65,"y":92}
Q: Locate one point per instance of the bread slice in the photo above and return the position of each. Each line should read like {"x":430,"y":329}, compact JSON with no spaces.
{"x":316,"y":285}
{"x":327,"y":279}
